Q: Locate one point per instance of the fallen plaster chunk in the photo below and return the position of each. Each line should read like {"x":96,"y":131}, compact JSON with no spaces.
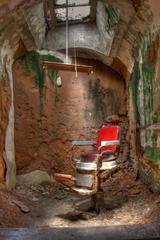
{"x":21,"y":206}
{"x":85,"y":204}
{"x":34,"y":177}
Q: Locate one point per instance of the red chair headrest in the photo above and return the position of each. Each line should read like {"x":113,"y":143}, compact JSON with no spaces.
{"x":109,"y":133}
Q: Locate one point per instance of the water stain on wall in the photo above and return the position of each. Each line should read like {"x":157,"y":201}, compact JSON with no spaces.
{"x":106,"y":101}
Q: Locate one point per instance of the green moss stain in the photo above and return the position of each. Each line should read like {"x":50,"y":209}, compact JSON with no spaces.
{"x":133,"y":84}
{"x":143,"y":49}
{"x":152,"y":154}
{"x":148,"y":70}
{"x":144,"y":83}
{"x":113,"y":17}
{"x":33,"y":66}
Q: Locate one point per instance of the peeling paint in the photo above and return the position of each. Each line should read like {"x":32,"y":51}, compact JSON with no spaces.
{"x":36,"y":23}
{"x":7,"y":60}
{"x":145,"y":88}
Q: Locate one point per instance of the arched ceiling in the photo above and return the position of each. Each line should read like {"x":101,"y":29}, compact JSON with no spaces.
{"x":25,"y":20}
{"x":135,"y":18}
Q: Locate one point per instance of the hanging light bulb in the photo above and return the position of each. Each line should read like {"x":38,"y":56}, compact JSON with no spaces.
{"x":59,"y":81}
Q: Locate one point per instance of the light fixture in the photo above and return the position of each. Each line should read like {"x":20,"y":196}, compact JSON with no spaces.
{"x":66,"y":66}
{"x":59,"y":81}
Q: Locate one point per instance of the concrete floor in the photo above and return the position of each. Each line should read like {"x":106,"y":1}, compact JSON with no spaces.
{"x":101,"y":233}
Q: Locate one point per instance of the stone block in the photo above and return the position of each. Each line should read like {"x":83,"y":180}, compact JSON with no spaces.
{"x":34,"y":177}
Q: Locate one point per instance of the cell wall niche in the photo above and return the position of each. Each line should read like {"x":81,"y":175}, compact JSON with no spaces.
{"x":44,"y":141}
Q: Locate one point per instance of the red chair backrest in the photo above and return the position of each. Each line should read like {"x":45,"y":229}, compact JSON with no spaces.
{"x":109,"y":133}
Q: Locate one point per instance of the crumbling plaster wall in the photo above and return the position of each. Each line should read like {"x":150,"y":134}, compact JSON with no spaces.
{"x":134,"y":21}
{"x":93,"y":35}
{"x":147,"y":93}
{"x":4,"y":108}
{"x":145,"y":98}
{"x":8,"y":168}
{"x":45,"y":141}
{"x":13,"y":27}
{"x":120,"y":48}
{"x":80,"y":35}
{"x":106,"y":34}
{"x":7,"y":56}
{"x":36,"y":22}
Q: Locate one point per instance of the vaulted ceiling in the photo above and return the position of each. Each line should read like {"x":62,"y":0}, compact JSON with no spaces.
{"x":25,"y":20}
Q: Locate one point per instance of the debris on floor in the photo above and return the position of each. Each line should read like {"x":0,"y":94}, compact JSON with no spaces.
{"x":126,"y":201}
{"x":21,"y":205}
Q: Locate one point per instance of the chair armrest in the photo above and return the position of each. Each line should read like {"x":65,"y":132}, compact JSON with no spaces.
{"x":83,"y":142}
{"x":109,"y":143}
{"x":78,"y":144}
{"x":107,"y":152}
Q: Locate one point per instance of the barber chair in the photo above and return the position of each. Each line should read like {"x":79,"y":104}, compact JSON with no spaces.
{"x":91,"y":164}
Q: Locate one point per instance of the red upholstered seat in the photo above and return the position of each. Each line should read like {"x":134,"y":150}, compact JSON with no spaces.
{"x":106,"y":133}
{"x":89,"y":156}
{"x":109,"y":133}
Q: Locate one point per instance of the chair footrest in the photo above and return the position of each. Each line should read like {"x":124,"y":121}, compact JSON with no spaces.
{"x":108,"y":165}
{"x":66,"y":180}
{"x":83,"y":191}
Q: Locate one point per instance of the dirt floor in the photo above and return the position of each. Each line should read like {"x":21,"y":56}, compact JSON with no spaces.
{"x":50,"y":205}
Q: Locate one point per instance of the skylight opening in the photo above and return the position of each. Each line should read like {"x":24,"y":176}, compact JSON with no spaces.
{"x":71,"y":2}
{"x":77,"y":10}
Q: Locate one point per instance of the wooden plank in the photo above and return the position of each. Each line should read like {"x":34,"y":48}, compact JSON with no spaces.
{"x":68,"y":67}
{"x":60,"y":176}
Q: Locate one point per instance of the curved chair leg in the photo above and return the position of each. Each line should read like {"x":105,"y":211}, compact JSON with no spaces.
{"x":98,"y":201}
